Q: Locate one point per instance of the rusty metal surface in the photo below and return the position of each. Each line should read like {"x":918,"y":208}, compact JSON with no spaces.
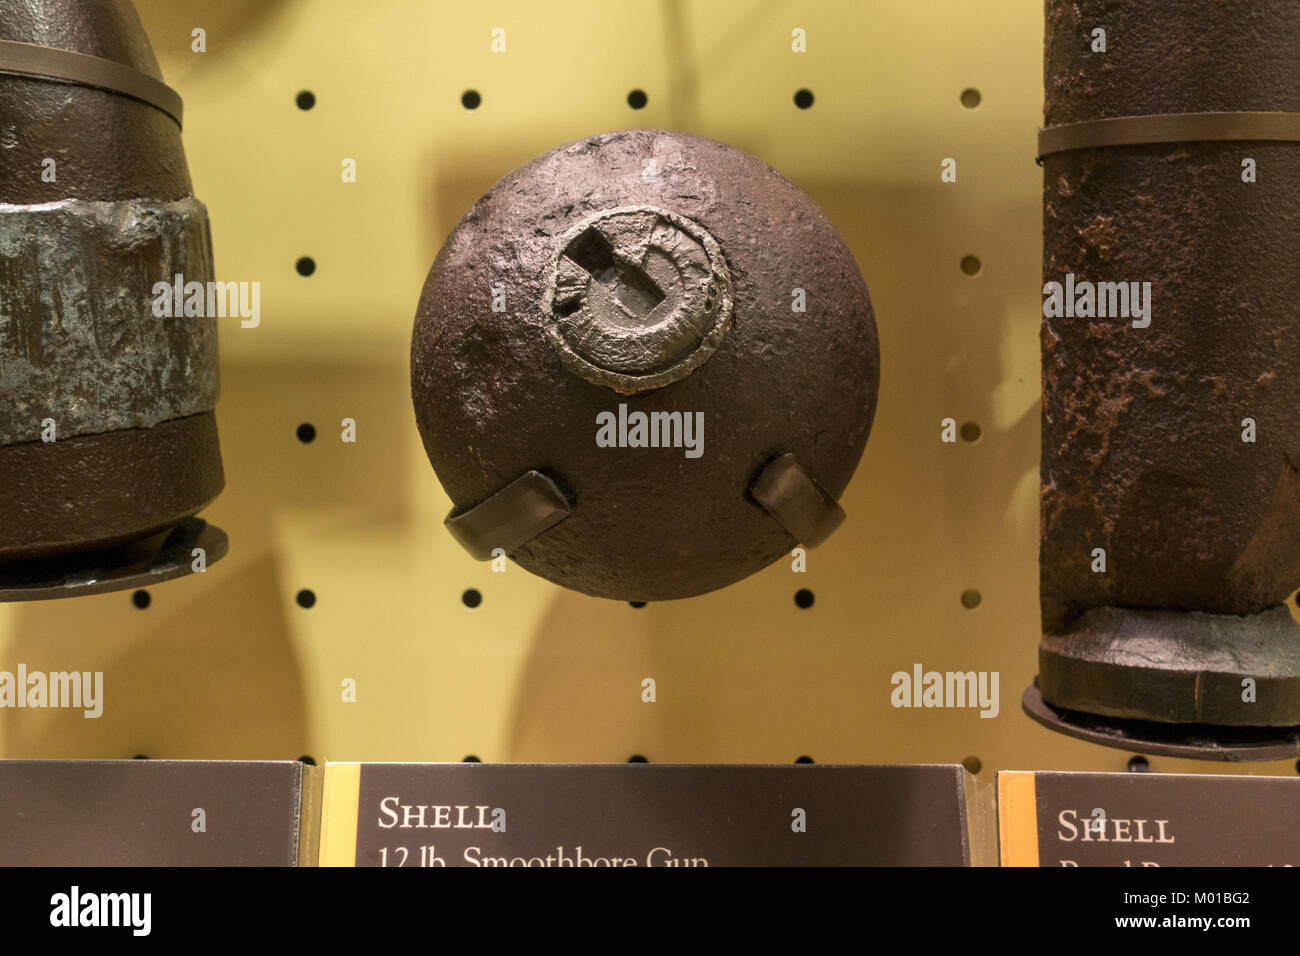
{"x":129,"y":394}
{"x":497,"y":393}
{"x":1142,"y":427}
{"x":97,"y":491}
{"x":79,"y":342}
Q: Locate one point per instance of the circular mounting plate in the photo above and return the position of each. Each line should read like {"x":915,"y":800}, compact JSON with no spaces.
{"x":1196,"y":741}
{"x":139,"y":564}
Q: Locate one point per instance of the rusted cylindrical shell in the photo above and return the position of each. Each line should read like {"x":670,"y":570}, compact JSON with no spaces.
{"x":499,"y":394}
{"x":95,"y":209}
{"x":1144,"y":464}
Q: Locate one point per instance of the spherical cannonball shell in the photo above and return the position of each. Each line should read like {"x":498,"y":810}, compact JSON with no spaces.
{"x":494,"y":399}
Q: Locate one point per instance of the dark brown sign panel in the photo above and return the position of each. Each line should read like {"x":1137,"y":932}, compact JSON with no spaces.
{"x":1147,"y":819}
{"x":646,"y":815}
{"x":150,"y":812}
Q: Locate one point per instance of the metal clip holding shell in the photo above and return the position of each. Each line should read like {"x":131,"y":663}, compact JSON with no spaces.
{"x":792,"y":496}
{"x":513,"y":516}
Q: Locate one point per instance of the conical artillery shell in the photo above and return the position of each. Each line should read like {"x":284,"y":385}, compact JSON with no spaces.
{"x":95,"y":209}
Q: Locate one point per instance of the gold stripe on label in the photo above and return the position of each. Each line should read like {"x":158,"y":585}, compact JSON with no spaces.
{"x":338,"y":826}
{"x":1017,"y":818}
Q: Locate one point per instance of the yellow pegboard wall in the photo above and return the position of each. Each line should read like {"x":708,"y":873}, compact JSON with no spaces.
{"x":227,"y":664}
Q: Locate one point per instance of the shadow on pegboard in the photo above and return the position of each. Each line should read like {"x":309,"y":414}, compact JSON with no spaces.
{"x":271,"y":470}
{"x":463,"y":177}
{"x":170,"y":25}
{"x":956,"y":367}
{"x":180,"y":685}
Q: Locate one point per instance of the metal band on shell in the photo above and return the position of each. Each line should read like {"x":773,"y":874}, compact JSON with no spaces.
{"x":80,"y":340}
{"x":67,"y":66}
{"x":1169,"y":128}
